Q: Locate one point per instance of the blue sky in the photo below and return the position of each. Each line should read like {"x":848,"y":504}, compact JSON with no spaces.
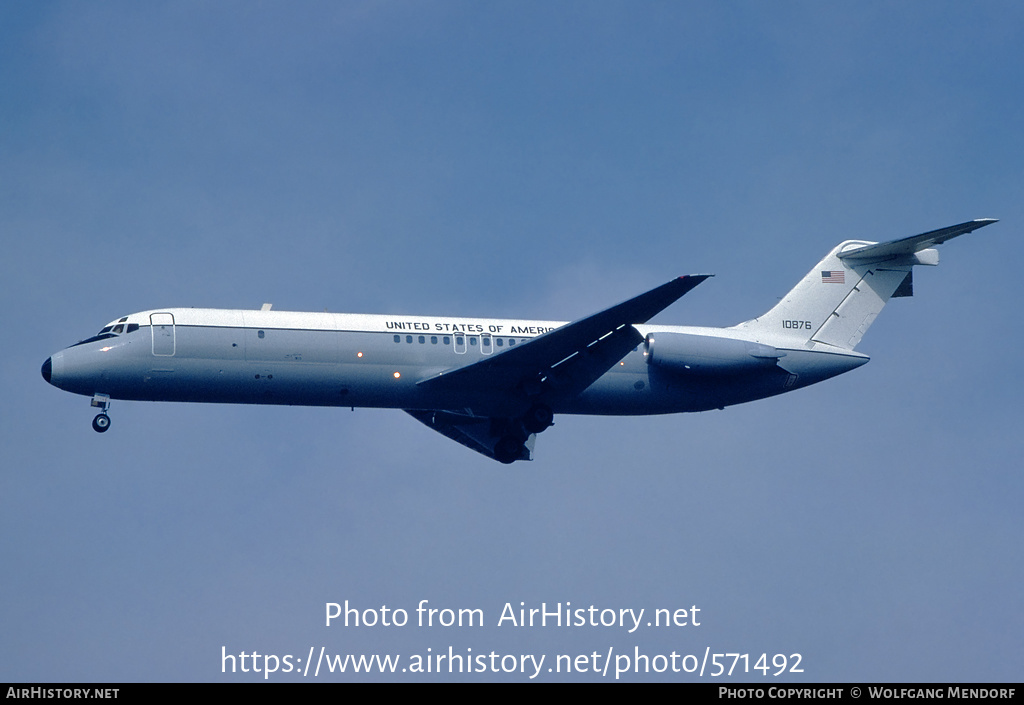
{"x":535,"y":160}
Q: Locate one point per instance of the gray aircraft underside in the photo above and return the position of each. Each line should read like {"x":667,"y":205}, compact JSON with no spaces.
{"x":494,"y":384}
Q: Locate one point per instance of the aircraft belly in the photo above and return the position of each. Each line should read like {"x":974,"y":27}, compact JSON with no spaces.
{"x":626,"y":393}
{"x":659,"y":391}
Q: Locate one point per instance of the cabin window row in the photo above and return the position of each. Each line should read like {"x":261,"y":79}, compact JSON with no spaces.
{"x":485,"y":341}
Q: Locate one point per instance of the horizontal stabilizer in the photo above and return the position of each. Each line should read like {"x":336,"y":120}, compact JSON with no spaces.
{"x":914,"y":243}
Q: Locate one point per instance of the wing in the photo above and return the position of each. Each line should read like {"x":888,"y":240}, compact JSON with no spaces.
{"x":570,"y":358}
{"x":914,"y":243}
{"x":566,"y":360}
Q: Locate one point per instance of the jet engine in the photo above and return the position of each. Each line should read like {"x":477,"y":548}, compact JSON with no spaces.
{"x":706,"y":354}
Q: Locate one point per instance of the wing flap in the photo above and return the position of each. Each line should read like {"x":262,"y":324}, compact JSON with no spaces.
{"x":476,"y":433}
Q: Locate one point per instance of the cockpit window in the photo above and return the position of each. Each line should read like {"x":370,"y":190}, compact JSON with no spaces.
{"x":111,"y":331}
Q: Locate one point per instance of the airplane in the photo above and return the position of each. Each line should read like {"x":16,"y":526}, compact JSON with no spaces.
{"x":492,"y":384}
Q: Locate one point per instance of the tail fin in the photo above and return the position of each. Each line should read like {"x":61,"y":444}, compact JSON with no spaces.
{"x":839,"y":299}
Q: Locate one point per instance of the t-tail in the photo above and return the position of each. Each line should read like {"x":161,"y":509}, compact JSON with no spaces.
{"x":839,"y":299}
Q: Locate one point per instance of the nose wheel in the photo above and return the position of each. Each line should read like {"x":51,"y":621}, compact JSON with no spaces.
{"x":102,"y":422}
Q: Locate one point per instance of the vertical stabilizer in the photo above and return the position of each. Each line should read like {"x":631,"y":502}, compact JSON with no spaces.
{"x":833,"y":304}
{"x":836,"y":302}
{"x":874,"y":286}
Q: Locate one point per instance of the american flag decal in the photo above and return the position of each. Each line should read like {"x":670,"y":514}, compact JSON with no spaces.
{"x":833,"y":277}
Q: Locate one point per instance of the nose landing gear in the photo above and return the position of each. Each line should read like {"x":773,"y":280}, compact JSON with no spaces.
{"x":102,"y":422}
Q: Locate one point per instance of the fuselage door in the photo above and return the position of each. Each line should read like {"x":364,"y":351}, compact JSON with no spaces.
{"x":163,"y":333}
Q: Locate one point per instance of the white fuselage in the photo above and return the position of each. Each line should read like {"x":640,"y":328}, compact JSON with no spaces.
{"x":328,"y":359}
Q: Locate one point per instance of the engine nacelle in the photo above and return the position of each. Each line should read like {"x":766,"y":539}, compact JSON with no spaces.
{"x":705,"y":354}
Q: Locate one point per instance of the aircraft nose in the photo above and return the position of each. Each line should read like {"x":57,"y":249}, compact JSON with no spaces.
{"x":47,"y":369}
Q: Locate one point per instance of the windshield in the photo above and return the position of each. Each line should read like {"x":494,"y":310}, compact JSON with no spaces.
{"x":111,"y":331}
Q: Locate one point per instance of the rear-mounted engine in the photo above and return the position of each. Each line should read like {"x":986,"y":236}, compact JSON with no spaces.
{"x":703,"y":354}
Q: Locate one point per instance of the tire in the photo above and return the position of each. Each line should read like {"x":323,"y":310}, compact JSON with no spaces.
{"x":507,"y":450}
{"x":101,"y":423}
{"x":538,"y":418}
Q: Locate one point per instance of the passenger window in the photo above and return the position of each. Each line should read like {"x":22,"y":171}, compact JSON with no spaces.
{"x":408,"y":338}
{"x":422,"y":340}
{"x":433,"y":340}
{"x":511,"y":342}
{"x":398,"y":339}
{"x":499,"y":341}
{"x":446,"y":340}
{"x":472,"y":341}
